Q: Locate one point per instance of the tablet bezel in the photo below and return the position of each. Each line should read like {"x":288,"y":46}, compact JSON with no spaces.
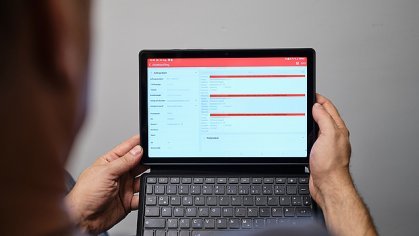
{"x":229,"y":53}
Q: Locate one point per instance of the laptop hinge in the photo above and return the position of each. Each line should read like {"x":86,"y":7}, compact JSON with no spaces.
{"x":228,"y":169}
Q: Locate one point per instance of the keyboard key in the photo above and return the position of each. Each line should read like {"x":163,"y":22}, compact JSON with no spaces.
{"x":236,"y":201}
{"x":149,"y":189}
{"x":207,"y":233}
{"x":184,"y":233}
{"x":211,"y":201}
{"x":291,"y":189}
{"x":232,"y":189}
{"x":152,"y":211}
{"x":197,"y":223}
{"x":233,"y":180}
{"x":292,"y":180}
{"x":209,"y":223}
{"x":252,"y":211}
{"x":166,"y":211}
{"x":303,"y":190}
{"x":265,"y":212}
{"x":261,"y":201}
{"x":215,"y":212}
{"x":178,"y":212}
{"x":148,"y":233}
{"x":198,"y":180}
{"x":247,"y":224}
{"x":163,"y":180}
{"x":159,"y":189}
{"x":240,"y":212}
{"x":306,"y":200}
{"x":289,"y":211}
{"x":267,"y":189}
{"x":284,"y":201}
{"x":203,"y":211}
{"x":190,"y":211}
{"x":234,"y":223}
{"x":276,"y":211}
{"x":175,"y":180}
{"x":171,"y":189}
{"x":256,"y":189}
{"x":195,"y":189}
{"x":259,"y":223}
{"x":268,"y":180}
{"x":221,"y":223}
{"x":187,"y":201}
{"x":303,"y":180}
{"x":163,"y":200}
{"x":210,"y":180}
{"x":248,"y":200}
{"x":273,"y":201}
{"x":186,"y":180}
{"x":219,"y":190}
{"x":183,"y":189}
{"x":151,"y":200}
{"x":172,"y":223}
{"x":296,"y":201}
{"x":224,"y":200}
{"x":152,"y":223}
{"x":245,"y":180}
{"x":151,"y":180}
{"x":279,"y":189}
{"x":256,"y":180}
{"x":184,"y":223}
{"x":207,"y":189}
{"x":303,"y":211}
{"x":228,"y":212}
{"x":160,"y":233}
{"x":172,"y":233}
{"x":175,"y":200}
{"x":280,"y":180}
{"x":199,"y":201}
{"x":221,"y":180}
{"x":244,"y":189}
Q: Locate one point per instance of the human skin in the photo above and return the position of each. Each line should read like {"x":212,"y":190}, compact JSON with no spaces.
{"x":331,"y":185}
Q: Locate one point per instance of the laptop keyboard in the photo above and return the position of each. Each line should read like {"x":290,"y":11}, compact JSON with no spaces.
{"x":185,"y":206}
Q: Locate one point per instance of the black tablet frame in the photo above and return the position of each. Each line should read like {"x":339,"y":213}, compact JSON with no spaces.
{"x":226,"y":53}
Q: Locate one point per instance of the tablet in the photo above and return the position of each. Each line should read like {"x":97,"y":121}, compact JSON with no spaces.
{"x":227,"y":106}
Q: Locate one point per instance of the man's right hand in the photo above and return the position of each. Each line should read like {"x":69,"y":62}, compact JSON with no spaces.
{"x":331,"y":185}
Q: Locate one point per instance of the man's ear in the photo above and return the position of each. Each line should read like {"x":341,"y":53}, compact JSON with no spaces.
{"x":61,"y":38}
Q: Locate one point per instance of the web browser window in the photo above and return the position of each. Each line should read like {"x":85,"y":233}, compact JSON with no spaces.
{"x":227,"y":107}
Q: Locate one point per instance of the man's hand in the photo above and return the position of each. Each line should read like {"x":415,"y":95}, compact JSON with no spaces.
{"x":105,"y":192}
{"x":331,"y":185}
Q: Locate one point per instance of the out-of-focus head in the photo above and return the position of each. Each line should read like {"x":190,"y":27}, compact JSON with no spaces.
{"x":44,"y":47}
{"x":44,"y":54}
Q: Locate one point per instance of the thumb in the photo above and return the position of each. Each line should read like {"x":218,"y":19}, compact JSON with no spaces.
{"x":125,"y":163}
{"x":323,"y":118}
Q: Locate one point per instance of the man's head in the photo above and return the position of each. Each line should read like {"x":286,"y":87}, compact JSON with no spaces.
{"x":44,"y":48}
{"x":43,"y":65}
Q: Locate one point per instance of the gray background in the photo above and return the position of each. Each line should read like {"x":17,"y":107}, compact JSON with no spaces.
{"x":367,"y":63}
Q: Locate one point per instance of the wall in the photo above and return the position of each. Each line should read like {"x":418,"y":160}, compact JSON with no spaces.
{"x":367,"y":63}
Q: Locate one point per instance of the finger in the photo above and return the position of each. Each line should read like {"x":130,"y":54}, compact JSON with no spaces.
{"x":323,"y":119}
{"x":331,"y":109}
{"x":135,"y":202}
{"x":119,"y":150}
{"x":127,"y":162}
{"x":136,"y":185}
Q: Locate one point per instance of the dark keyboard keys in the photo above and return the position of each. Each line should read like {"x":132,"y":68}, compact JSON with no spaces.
{"x":152,"y":223}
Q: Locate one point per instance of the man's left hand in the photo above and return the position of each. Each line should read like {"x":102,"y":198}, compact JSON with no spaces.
{"x":105,"y":192}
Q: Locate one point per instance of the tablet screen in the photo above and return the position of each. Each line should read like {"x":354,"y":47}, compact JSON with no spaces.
{"x":227,"y":107}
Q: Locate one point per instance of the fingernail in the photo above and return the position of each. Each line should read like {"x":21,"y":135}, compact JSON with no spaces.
{"x":136,"y":150}
{"x":317,"y":105}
